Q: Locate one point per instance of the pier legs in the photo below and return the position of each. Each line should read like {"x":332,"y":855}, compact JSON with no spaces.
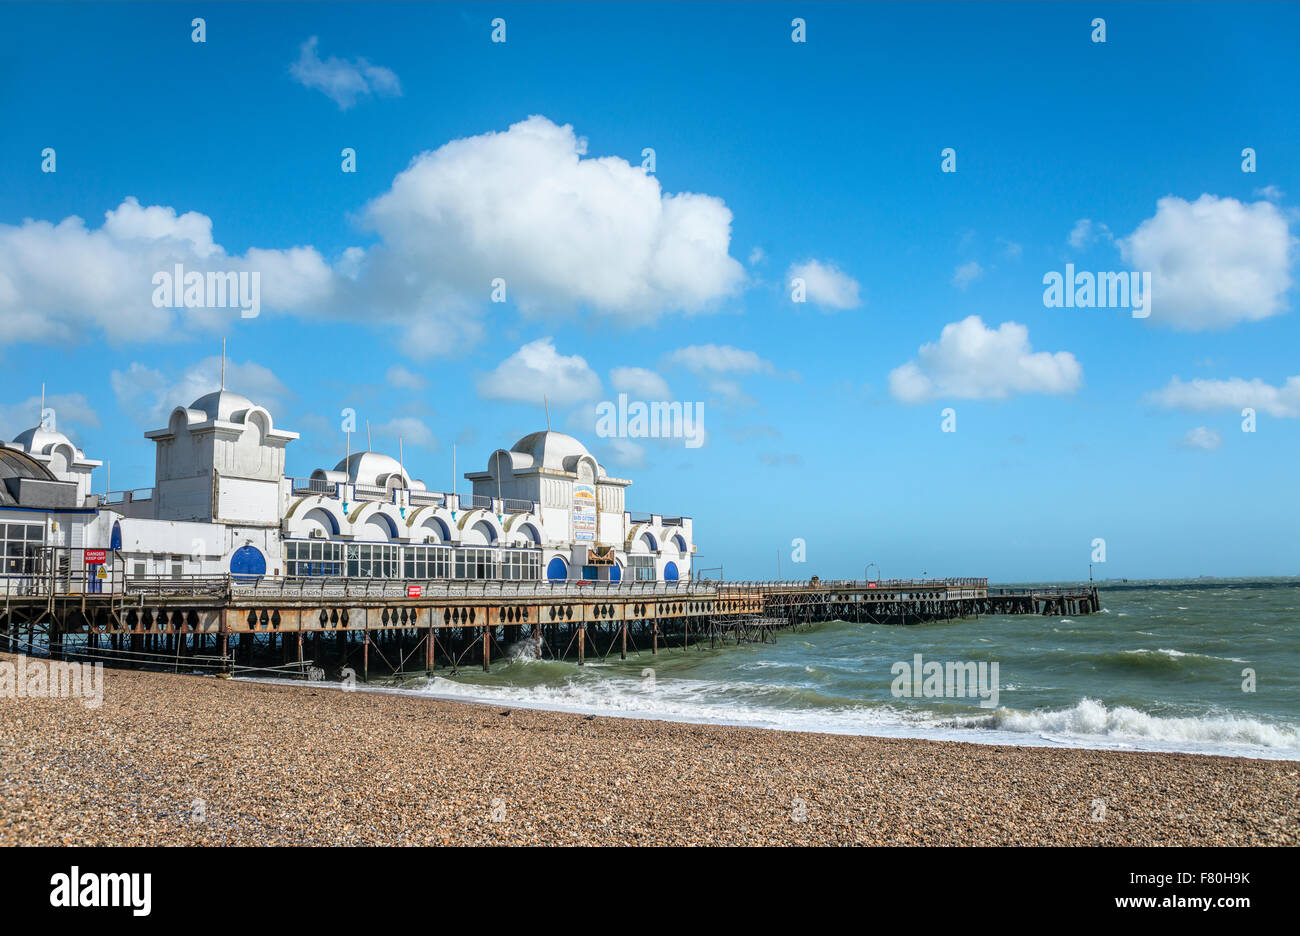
{"x":487,"y":650}
{"x":365,"y":657}
{"x":622,"y":655}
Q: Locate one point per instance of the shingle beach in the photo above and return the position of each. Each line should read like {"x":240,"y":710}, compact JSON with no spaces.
{"x":188,"y":760}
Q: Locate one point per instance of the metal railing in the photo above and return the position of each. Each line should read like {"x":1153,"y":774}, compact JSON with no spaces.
{"x":427,"y":497}
{"x":314,"y":486}
{"x":515,"y":505}
{"x":370,"y":492}
{"x":125,"y":497}
{"x":476,"y":500}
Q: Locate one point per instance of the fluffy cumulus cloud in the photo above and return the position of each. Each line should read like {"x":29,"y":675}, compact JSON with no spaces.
{"x":825,"y":285}
{"x":973,"y":362}
{"x":57,"y":281}
{"x":344,"y":82}
{"x":1234,"y":394}
{"x":639,"y":383}
{"x":538,"y":370}
{"x":561,"y":229}
{"x":564,"y":231}
{"x":1202,"y":438}
{"x":149,"y":395}
{"x":1214,"y":262}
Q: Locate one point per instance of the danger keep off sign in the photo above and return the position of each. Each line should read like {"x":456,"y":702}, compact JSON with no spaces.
{"x":96,"y":556}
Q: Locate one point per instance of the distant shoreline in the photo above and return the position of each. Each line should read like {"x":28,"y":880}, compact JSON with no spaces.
{"x":275,"y":764}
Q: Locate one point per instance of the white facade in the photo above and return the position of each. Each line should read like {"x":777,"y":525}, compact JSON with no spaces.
{"x":221,"y":503}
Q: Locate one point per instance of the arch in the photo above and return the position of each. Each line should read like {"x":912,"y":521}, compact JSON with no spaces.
{"x":115,"y":538}
{"x":322,"y":518}
{"x":680,"y":542}
{"x":247,"y":561}
{"x":670,"y":572}
{"x":379,"y":526}
{"x":557,"y":570}
{"x":481,"y":533}
{"x":435,"y":526}
{"x":527,"y":532}
{"x":616,"y":573}
{"x":645,"y":543}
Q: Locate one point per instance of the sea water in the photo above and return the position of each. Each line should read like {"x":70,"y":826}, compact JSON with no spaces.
{"x":1205,"y":666}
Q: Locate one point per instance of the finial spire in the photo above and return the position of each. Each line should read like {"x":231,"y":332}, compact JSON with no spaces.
{"x":368,"y":447}
{"x":547,"y":406}
{"x":223,"y":363}
{"x":40,"y":421}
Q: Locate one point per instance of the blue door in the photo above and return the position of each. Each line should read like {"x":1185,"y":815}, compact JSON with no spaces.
{"x":616,"y":573}
{"x":557,"y":570}
{"x":670,"y":572}
{"x":247,"y":561}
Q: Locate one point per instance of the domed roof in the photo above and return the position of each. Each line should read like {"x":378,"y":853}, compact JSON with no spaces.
{"x":41,"y":441}
{"x":551,"y":449}
{"x":372,"y":468}
{"x":223,"y":405}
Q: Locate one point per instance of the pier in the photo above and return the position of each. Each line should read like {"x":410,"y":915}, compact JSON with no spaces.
{"x":313,"y":627}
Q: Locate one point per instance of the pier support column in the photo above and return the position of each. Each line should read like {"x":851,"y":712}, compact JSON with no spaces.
{"x":365,"y":657}
{"x":428,"y":652}
{"x":654,"y":647}
{"x":623,"y":652}
{"x":487,"y":650}
{"x":582,"y":642}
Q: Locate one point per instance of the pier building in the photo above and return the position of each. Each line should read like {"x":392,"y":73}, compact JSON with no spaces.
{"x":222,"y":504}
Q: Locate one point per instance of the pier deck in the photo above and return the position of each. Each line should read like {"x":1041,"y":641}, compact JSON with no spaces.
{"x":316,"y":625}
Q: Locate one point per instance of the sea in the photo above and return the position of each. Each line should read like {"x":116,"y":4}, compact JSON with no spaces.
{"x":1208,"y":666}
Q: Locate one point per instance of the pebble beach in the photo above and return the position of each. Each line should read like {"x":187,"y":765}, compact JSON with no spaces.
{"x":190,"y":760}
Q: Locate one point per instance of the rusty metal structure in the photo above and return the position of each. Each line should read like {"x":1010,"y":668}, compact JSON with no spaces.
{"x":301,"y":626}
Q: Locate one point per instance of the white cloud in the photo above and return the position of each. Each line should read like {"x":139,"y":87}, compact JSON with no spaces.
{"x":1012,"y":249}
{"x":1271,"y":192}
{"x":1085,"y":232}
{"x":59,"y":280}
{"x":1202,"y":438}
{"x":1213,"y":262}
{"x":537,"y":369}
{"x":149,"y":395}
{"x":411,"y":430}
{"x":756,"y":256}
{"x":972,"y":362}
{"x":719,"y":359}
{"x":1234,"y":394}
{"x":404,"y":379}
{"x":72,"y":412}
{"x":565,"y":231}
{"x":966,"y":274}
{"x":562,"y":230}
{"x":826,"y":286}
{"x":626,"y":453}
{"x":341,"y":80}
{"x":640,"y":383}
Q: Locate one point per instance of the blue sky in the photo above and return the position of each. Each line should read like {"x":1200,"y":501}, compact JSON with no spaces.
{"x":1071,"y":425}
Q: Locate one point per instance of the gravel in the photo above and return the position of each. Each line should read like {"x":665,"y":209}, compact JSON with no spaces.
{"x":192,"y":760}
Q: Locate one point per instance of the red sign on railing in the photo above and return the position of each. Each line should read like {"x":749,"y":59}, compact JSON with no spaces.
{"x":413,"y":591}
{"x":96,"y":556}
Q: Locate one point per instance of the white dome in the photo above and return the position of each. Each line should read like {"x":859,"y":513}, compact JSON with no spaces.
{"x":552,"y":449}
{"x":41,"y":441}
{"x":373,"y":468}
{"x":223,"y":405}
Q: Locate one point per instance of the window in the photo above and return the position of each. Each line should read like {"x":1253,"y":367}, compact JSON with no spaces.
{"x":20,"y":547}
{"x":641,"y":568}
{"x":306,"y":558}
